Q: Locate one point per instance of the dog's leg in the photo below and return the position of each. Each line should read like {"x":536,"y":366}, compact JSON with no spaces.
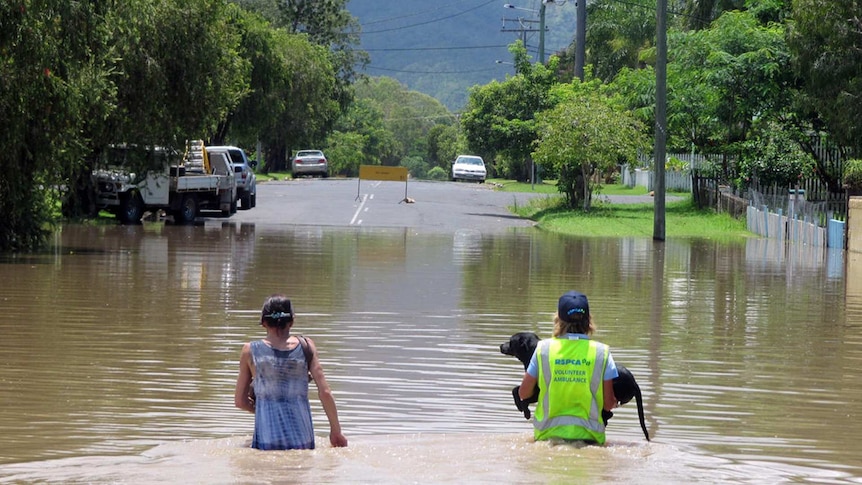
{"x":521,"y":405}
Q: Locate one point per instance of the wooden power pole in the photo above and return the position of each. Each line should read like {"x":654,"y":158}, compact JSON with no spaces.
{"x":660,"y":121}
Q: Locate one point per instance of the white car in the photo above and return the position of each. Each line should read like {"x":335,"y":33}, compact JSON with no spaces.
{"x":469,"y":167}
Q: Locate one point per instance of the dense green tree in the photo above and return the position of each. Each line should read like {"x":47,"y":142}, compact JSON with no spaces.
{"x":584,"y":134}
{"x":699,"y":14}
{"x":746,"y":63}
{"x":54,"y":79}
{"x":291,"y":103}
{"x":345,"y":152}
{"x":372,"y":143}
{"x":617,"y":35}
{"x":327,"y":23}
{"x":773,"y":157}
{"x":724,"y":84}
{"x":408,"y":115}
{"x":500,"y":116}
{"x":177,"y":79}
{"x":417,"y":167}
{"x":691,"y":115}
{"x":302,"y":100}
{"x":825,"y":37}
{"x":165,"y":95}
{"x":444,"y":145}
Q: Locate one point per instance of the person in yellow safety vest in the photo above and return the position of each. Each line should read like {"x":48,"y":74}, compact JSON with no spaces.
{"x":575,"y":376}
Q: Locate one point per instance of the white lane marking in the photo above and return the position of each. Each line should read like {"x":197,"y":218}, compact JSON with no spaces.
{"x":358,"y":210}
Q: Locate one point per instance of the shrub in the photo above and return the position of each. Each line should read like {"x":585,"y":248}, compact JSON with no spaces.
{"x":774,"y":158}
{"x":853,"y":174}
{"x":416,"y":166}
{"x":675,"y":165}
{"x":437,"y":173}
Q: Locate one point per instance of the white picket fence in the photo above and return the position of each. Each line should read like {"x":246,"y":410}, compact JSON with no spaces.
{"x":642,"y":177}
{"x":776,"y":225}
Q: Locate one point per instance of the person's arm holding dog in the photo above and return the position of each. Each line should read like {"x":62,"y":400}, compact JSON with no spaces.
{"x":531,"y":378}
{"x":610,"y":398}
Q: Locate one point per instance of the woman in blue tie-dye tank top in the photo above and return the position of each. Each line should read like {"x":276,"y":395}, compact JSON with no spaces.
{"x":273,"y":384}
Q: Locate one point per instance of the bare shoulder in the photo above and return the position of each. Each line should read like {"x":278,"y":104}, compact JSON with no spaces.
{"x":310,"y":343}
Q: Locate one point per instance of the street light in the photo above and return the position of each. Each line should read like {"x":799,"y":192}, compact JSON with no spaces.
{"x":541,"y":13}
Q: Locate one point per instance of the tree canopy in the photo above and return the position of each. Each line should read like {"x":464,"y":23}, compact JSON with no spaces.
{"x":585,"y":134}
{"x":500,"y":116}
{"x":825,"y":38}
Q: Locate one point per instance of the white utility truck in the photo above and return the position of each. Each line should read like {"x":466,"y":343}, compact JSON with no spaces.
{"x":200,"y":181}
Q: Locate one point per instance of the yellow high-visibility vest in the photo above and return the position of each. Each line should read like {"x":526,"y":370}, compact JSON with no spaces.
{"x":571,"y":390}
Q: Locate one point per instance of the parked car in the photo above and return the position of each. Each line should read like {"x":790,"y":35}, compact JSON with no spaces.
{"x":310,"y":162}
{"x":246,"y":182}
{"x":469,"y":167}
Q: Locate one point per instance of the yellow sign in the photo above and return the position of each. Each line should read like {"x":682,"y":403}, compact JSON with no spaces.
{"x":377,"y":172}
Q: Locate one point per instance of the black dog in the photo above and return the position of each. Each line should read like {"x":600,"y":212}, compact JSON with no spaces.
{"x":522,"y":345}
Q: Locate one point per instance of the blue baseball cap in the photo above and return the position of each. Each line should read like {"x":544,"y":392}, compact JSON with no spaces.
{"x":573,"y":303}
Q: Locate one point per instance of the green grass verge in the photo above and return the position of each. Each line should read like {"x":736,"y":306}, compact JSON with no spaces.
{"x":267,"y":177}
{"x":682,"y":220}
{"x":550,"y":187}
{"x":544,"y":187}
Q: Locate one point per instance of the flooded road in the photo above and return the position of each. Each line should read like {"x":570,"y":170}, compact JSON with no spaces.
{"x":120,"y":348}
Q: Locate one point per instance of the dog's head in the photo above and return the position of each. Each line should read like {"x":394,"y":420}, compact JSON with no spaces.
{"x":521,"y":346}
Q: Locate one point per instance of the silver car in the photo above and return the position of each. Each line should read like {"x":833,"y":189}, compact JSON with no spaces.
{"x":246,"y":182}
{"x":469,"y":167}
{"x":310,"y":162}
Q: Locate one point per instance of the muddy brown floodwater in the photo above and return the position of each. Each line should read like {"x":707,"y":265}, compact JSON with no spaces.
{"x":119,"y":350}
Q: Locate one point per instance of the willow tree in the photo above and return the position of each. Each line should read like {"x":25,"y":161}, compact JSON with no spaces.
{"x":54,"y":71}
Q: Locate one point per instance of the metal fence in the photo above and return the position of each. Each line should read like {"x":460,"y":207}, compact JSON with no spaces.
{"x":784,"y":214}
{"x":809,"y":212}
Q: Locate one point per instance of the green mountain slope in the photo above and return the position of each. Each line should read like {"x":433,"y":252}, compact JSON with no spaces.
{"x":443,"y":48}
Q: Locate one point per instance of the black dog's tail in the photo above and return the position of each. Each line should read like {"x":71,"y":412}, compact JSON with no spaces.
{"x":639,"y":400}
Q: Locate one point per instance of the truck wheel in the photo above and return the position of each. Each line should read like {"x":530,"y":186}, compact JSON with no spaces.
{"x":246,"y":202}
{"x":188,"y":209}
{"x":131,"y":208}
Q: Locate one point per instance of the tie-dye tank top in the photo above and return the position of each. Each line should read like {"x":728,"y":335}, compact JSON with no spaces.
{"x":282,"y":414}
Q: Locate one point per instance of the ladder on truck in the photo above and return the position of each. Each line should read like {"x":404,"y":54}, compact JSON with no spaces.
{"x":195,"y":159}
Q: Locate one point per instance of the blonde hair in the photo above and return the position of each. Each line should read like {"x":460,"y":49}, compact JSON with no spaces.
{"x":580,"y":324}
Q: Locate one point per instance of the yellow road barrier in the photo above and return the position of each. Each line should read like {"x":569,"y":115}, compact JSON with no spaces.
{"x":379,"y":172}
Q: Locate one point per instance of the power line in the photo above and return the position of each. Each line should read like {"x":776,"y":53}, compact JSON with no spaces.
{"x":394,"y":49}
{"x":653,"y":8}
{"x":431,"y":21}
{"x":414,"y":14}
{"x":429,"y":72}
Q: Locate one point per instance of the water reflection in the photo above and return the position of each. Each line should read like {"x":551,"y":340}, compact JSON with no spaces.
{"x":120,"y":349}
